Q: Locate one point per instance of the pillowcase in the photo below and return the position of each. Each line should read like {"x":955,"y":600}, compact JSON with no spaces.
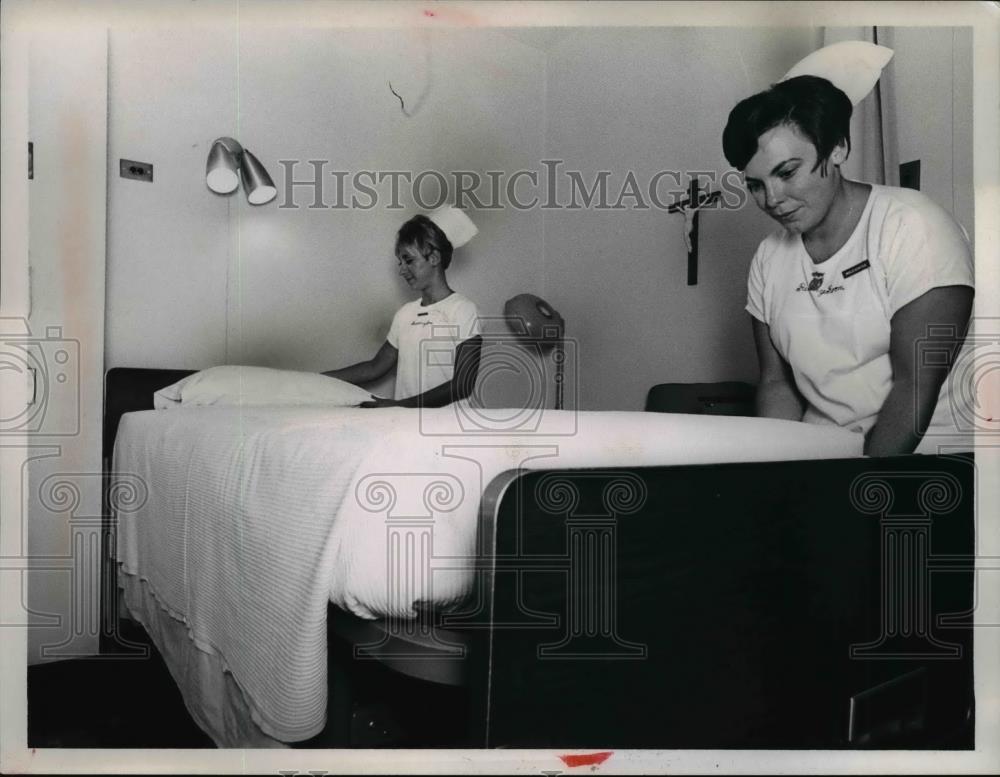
{"x":236,"y":385}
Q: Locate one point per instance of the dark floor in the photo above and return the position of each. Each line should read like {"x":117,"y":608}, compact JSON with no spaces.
{"x":128,"y":701}
{"x":132,"y":702}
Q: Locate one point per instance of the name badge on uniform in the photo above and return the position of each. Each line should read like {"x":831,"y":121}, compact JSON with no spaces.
{"x":856,"y":269}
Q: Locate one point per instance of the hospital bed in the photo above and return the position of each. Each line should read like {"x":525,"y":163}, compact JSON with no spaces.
{"x":594,"y":580}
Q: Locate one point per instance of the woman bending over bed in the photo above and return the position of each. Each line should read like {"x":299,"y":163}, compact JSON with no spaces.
{"x":856,"y":275}
{"x":434,"y":342}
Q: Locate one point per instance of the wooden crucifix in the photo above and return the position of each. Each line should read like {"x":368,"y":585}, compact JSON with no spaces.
{"x":690,"y":206}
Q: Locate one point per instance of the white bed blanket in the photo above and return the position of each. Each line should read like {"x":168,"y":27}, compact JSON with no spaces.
{"x":257,"y":517}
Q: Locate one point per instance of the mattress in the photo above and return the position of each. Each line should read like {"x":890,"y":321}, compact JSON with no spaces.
{"x":253,"y":519}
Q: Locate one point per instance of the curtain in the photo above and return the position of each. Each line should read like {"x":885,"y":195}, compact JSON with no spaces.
{"x":873,"y":155}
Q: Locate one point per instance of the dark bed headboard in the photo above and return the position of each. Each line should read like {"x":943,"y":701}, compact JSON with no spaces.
{"x":131,"y":388}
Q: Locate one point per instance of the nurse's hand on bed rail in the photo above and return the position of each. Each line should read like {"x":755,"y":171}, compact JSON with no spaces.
{"x":376,"y":401}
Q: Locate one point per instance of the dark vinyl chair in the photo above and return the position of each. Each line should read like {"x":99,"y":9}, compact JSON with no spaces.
{"x":725,"y":398}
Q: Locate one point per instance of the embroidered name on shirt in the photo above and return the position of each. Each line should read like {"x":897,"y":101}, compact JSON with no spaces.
{"x":830,"y":288}
{"x":856,"y":269}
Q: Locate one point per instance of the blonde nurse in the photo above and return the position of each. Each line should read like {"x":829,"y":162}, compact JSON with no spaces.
{"x":434,"y":342}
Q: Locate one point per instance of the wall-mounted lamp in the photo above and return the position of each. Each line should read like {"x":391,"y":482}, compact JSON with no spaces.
{"x":227,"y":162}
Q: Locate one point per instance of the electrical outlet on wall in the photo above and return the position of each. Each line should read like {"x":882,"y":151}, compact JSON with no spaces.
{"x":139,"y":171}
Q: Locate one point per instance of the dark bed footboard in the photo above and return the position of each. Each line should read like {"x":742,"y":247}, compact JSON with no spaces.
{"x":816,"y":604}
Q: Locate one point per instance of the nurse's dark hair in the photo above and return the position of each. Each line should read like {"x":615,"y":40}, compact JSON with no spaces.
{"x":426,"y":236}
{"x":819,"y":110}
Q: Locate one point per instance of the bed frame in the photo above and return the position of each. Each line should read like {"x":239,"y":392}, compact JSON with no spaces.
{"x":802,"y":604}
{"x":126,"y":389}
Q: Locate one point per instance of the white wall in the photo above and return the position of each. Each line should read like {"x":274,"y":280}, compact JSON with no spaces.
{"x":196,"y":279}
{"x":14,"y":220}
{"x":171,"y":91}
{"x":647,"y":100}
{"x":67,"y":122}
{"x":930,"y":111}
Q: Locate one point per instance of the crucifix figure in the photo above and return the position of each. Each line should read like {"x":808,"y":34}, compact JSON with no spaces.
{"x":690,"y":206}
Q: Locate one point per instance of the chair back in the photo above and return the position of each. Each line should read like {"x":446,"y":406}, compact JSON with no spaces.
{"x":725,"y":398}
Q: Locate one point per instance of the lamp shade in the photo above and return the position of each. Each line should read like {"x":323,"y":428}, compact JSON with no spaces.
{"x":258,"y":184}
{"x":221,"y":171}
{"x":853,"y":66}
{"x":532,"y":318}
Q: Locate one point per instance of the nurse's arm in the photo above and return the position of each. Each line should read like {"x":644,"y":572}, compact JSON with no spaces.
{"x":777,"y":396}
{"x":910,"y":404}
{"x":370,"y":370}
{"x":467,"y":356}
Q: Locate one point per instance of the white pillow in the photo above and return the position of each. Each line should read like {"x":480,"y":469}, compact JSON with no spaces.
{"x":236,"y":385}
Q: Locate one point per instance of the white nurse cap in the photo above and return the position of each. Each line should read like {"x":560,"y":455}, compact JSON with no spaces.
{"x":457,"y":227}
{"x":853,"y":66}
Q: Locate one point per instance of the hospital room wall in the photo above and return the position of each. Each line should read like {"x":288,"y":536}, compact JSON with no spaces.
{"x":197,"y":279}
{"x":929,"y":109}
{"x":620,"y":276}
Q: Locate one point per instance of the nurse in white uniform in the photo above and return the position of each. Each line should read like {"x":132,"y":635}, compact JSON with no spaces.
{"x":857,"y":283}
{"x":434,"y":341}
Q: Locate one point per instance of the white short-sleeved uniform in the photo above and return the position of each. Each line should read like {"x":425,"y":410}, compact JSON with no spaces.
{"x":831,"y":321}
{"x":426,"y":338}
